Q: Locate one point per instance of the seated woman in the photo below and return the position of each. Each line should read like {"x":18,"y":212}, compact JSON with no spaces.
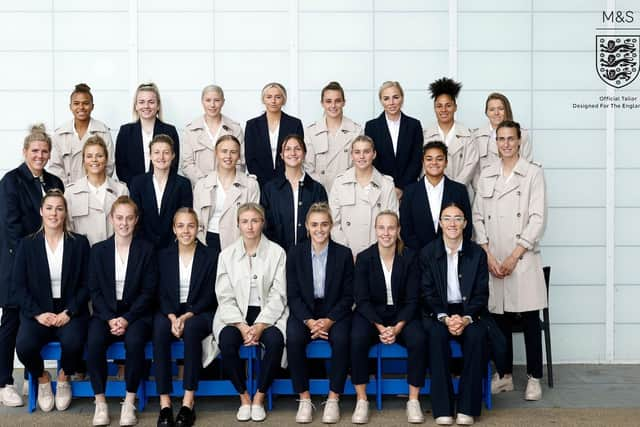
{"x":122,"y":281}
{"x":187,"y":301}
{"x":50,"y":277}
{"x":320,"y":296}
{"x":387,"y":291}
{"x":456,"y":293}
{"x":252,"y":307}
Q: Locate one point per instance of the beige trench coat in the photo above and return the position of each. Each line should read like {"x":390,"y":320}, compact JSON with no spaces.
{"x":505,"y":217}
{"x":66,"y":160}
{"x":198,"y":151}
{"x":324,"y":162}
{"x":462,"y":158}
{"x":244,"y":189}
{"x":86,"y":215}
{"x":232,"y":291}
{"x":353,"y":217}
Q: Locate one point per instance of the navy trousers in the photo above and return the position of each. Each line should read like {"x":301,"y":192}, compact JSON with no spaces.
{"x":8,"y":332}
{"x":532,"y":340}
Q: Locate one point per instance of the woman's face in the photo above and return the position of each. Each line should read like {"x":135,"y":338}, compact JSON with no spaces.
{"x":387,"y":231}
{"x":36,"y":156}
{"x":445,"y":108}
{"x":292,"y":153}
{"x":147,"y":104}
{"x":81,"y":106}
{"x":53,"y":213}
{"x":161,"y":156}
{"x":273,"y":99}
{"x":250,"y":223}
{"x":452,"y":222}
{"x":319,"y":227}
{"x":185,"y":228}
{"x":362,"y":154}
{"x":124,"y":220}
{"x":434,"y":163}
{"x":227,"y":154}
{"x":508,"y":143}
{"x":95,"y":160}
{"x":495,"y":112}
{"x":212,"y":103}
{"x":391,"y":100}
{"x":333,"y":103}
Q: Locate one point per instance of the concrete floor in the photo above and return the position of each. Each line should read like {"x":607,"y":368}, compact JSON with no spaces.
{"x":584,"y":395}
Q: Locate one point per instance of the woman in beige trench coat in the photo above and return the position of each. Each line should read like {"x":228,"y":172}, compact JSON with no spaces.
{"x":509,"y":218}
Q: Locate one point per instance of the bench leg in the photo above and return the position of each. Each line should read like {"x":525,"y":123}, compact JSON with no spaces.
{"x":33,"y":394}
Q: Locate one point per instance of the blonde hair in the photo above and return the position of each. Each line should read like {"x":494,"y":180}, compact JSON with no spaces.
{"x":124,"y":200}
{"x":250,"y":206}
{"x":212,"y":88}
{"x":147,"y":87}
{"x":387,"y":85}
{"x":37,"y":132}
{"x":399,"y":242}
{"x":363,"y":138}
{"x":277,"y":86}
{"x":319,"y":207}
{"x":96,"y":140}
{"x":185,"y":210}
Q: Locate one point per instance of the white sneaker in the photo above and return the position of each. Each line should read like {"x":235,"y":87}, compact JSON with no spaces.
{"x":101,"y":414}
{"x":63,"y":395}
{"x":464,"y":420}
{"x":244,"y":413}
{"x":414,"y":412}
{"x":361,"y":413}
{"x":258,"y":413}
{"x":499,"y":385}
{"x":533,"y":390}
{"x":444,"y":421}
{"x":331,"y":414}
{"x":45,"y":396}
{"x":305,"y":411}
{"x":128,"y":414}
{"x":10,"y":397}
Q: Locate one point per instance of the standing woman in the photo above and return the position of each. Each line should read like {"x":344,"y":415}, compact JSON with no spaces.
{"x":264,"y":134}
{"x":509,"y":215}
{"x":320,"y":296}
{"x":50,"y":276}
{"x":358,"y":195}
{"x":462,"y":159}
{"x":200,"y":136}
{"x":122,"y":282}
{"x":187,"y":301}
{"x":329,"y":139}
{"x":252,"y":307}
{"x":387,"y":291}
{"x":132,"y":154}
{"x":67,"y":158}
{"x":90,"y":197}
{"x":21,"y":192}
{"x":398,"y":138}
{"x":287,"y":198}
{"x":218,"y":196}
{"x":159,"y":193}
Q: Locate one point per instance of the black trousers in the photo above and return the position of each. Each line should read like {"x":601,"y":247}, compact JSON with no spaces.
{"x":195,"y":329}
{"x":298,"y":336}
{"x":474,"y":350}
{"x":8,"y":332}
{"x":213,"y":241}
{"x":364,"y":334}
{"x":230,"y":343}
{"x":532,"y":340}
{"x":100,"y":338}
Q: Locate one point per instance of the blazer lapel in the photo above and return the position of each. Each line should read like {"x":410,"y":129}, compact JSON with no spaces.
{"x":307,"y":272}
{"x":67,"y":256}
{"x":442,"y":269}
{"x":110,"y":272}
{"x":195,"y":273}
{"x":331,"y":264}
{"x":263,"y":129}
{"x":426,"y":208}
{"x":168,"y":191}
{"x":387,"y":143}
{"x":402,"y":133}
{"x":138,"y":153}
{"x":128,"y":278}
{"x":42,"y":254}
{"x":396,"y":279}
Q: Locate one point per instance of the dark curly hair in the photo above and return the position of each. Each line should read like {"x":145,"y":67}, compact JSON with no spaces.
{"x":445,"y":86}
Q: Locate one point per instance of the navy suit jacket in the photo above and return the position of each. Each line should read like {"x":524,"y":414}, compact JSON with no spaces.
{"x":338,"y":288}
{"x":277,"y":200}
{"x":33,"y":283}
{"x":257,"y":148}
{"x":153,"y":226}
{"x":202,"y":297}
{"x":405,"y":165}
{"x":415,"y":214}
{"x":20,"y":200}
{"x":370,"y":289}
{"x":130,"y":152}
{"x":140,"y":281}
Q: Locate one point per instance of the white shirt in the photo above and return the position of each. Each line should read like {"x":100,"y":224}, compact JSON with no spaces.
{"x":394,"y":130}
{"x":295,"y":207}
{"x":146,"y":139}
{"x":434,"y":194}
{"x":506,"y":178}
{"x":387,"y":281}
{"x":450,"y":136}
{"x":221,"y":196}
{"x":121,"y":273}
{"x":254,"y":292}
{"x":273,"y":141}
{"x":54,"y":259}
{"x":185,"y":279}
{"x":159,"y":190}
{"x":99,"y":192}
{"x":213,"y":138}
{"x":319,"y":271}
{"x":454,"y":294}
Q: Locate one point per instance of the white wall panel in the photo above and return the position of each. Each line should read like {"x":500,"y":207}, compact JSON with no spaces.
{"x":327,"y":31}
{"x":176,"y":70}
{"x":575,"y":188}
{"x":565,"y":71}
{"x":252,"y":5}
{"x":88,"y":31}
{"x":490,"y":70}
{"x":494,"y":5}
{"x":569,"y":5}
{"x":12,"y":143}
{"x":24,"y":70}
{"x":252,"y":31}
{"x":627,"y":304}
{"x":627,"y":118}
{"x":89,"y":5}
{"x":575,"y":265}
{"x":25,"y":109}
{"x":239,"y":70}
{"x":413,"y":69}
{"x":177,"y":31}
{"x":107,"y":71}
{"x":590,"y":308}
{"x":582,"y":343}
{"x":627,"y":343}
{"x":555,"y":110}
{"x":628,"y":188}
{"x":494,"y":31}
{"x":626,"y":269}
{"x":575,"y":226}
{"x":625,"y":233}
{"x":21,"y":5}
{"x":565,"y":31}
{"x":25,"y":31}
{"x":171,"y":5}
{"x":400,"y":31}
{"x":411,"y":5}
{"x":627,"y":149}
{"x":335,"y":5}
{"x":570,"y":148}
{"x":352,"y":70}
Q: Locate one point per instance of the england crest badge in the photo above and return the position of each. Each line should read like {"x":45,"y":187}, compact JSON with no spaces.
{"x":617,"y":59}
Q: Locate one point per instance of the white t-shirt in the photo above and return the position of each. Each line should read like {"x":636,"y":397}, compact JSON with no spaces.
{"x":54,"y":259}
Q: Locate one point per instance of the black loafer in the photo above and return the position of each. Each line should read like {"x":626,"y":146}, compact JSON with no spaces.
{"x":165,"y":419}
{"x":186,"y":417}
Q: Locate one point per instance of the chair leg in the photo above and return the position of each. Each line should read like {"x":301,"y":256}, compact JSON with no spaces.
{"x":379,"y":378}
{"x":33,"y":393}
{"x":547,"y":345}
{"x":487,"y":388}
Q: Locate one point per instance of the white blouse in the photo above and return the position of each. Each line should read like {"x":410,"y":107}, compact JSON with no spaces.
{"x":185,"y":279}
{"x":121,"y":273}
{"x":159,"y":190}
{"x":221,"y":196}
{"x":54,"y":259}
{"x":387,"y":281}
{"x":254,"y":292}
{"x":273,"y":141}
{"x":146,"y":139}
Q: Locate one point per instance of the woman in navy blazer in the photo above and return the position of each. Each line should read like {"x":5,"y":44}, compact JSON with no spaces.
{"x":21,"y":191}
{"x":285,"y":209}
{"x":50,"y":276}
{"x":263,"y":135}
{"x":387,"y":292}
{"x":320,"y":308}
{"x":187,"y":301}
{"x":122,"y":282}
{"x":133,"y":138}
{"x":400,"y":146}
{"x":156,"y":216}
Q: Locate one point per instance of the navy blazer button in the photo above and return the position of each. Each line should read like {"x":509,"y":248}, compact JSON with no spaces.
{"x":299,"y":203}
{"x":459,"y":276}
{"x":299,"y":225}
{"x":464,"y":298}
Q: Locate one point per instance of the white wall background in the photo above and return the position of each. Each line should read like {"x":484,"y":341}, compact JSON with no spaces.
{"x":540,"y":54}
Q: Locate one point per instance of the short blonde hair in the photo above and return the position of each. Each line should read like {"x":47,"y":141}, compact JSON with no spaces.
{"x":319,"y":207}
{"x":212,"y":88}
{"x":387,"y":85}
{"x":250,"y":206}
{"x":37,"y":132}
{"x":147,"y":87}
{"x":277,"y":85}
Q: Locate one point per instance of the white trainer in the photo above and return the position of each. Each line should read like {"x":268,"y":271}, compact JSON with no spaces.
{"x":331,"y":414}
{"x":128,"y":414}
{"x":101,"y":414}
{"x":361,"y":413}
{"x":10,"y":397}
{"x":63,"y":395}
{"x":414,"y":412}
{"x":305,"y":411}
{"x":533,"y":390}
{"x":45,"y":397}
